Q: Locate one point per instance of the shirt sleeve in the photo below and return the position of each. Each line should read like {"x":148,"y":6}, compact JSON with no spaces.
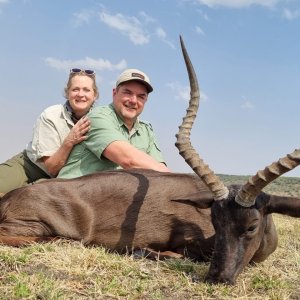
{"x":154,"y":149}
{"x":105,"y":129}
{"x":46,"y":139}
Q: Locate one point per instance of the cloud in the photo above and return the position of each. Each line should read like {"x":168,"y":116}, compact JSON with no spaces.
{"x":238,"y":3}
{"x":183,"y":92}
{"x":82,"y":17}
{"x":247,"y":105}
{"x":95,"y":64}
{"x":137,"y":29}
{"x":159,"y":31}
{"x":161,"y":34}
{"x":146,"y":17}
{"x":199,"y":30}
{"x":203,"y":14}
{"x":128,"y":26}
{"x":3,"y":2}
{"x":290,"y":15}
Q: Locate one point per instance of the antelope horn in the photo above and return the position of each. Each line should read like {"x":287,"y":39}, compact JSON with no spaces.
{"x":249,"y":191}
{"x":183,"y":143}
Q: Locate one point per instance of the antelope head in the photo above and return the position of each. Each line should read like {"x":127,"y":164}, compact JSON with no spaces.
{"x":241,"y":215}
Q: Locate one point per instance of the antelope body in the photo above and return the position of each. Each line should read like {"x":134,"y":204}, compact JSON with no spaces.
{"x":121,"y":210}
{"x":166,"y":214}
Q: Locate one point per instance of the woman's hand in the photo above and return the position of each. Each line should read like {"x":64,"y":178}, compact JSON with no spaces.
{"x":54,"y":163}
{"x":78,"y":132}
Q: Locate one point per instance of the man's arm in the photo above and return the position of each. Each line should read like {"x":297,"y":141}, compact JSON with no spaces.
{"x":127,"y":156}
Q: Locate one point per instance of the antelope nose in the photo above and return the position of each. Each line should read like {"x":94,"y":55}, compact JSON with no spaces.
{"x":219,"y":279}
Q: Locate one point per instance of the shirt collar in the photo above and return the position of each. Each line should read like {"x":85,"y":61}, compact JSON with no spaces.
{"x":135,"y":126}
{"x":71,"y":113}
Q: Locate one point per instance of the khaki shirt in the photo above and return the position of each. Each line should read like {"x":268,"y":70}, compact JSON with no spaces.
{"x":50,"y":130}
{"x":107,"y":127}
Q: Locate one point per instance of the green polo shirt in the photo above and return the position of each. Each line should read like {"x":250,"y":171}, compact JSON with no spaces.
{"x":107,"y":127}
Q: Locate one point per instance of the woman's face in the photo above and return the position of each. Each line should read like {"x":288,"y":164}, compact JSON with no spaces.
{"x":81,"y":95}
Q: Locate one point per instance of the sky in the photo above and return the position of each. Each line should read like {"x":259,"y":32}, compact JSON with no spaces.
{"x":246,"y":54}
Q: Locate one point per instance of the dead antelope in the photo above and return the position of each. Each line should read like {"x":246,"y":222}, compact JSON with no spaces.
{"x":168,"y":214}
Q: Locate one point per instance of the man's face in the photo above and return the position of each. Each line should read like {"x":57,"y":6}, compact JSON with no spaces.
{"x":129,"y":99}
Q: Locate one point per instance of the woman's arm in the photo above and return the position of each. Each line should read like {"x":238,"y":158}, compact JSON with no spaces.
{"x":55,"y":162}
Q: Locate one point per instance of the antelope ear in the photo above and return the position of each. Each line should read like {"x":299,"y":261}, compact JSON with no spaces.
{"x":203,"y":199}
{"x":283,"y":205}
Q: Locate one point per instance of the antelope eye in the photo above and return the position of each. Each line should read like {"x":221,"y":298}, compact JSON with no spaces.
{"x":252,"y":228}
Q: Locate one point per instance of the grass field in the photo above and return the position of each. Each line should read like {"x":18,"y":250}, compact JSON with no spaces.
{"x":68,"y":270}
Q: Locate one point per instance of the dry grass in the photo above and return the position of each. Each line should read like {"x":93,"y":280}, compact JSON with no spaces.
{"x":68,"y":270}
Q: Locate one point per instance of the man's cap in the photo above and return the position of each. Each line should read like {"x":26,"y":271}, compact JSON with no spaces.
{"x":135,"y":74}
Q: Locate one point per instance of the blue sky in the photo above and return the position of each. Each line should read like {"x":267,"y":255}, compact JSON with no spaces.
{"x":245,"y":53}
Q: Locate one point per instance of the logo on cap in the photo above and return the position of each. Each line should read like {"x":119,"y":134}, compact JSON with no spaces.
{"x":138,"y":75}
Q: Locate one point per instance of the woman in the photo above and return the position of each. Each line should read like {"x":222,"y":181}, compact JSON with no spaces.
{"x":56,"y":131}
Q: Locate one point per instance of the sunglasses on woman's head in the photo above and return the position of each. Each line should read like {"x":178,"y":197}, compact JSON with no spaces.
{"x":88,"y":72}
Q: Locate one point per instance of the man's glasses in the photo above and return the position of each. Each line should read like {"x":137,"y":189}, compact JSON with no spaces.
{"x":88,"y":72}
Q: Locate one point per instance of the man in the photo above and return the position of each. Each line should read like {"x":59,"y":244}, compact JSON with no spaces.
{"x":117,"y":138}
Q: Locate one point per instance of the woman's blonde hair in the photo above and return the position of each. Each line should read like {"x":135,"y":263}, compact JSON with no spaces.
{"x":81,"y":73}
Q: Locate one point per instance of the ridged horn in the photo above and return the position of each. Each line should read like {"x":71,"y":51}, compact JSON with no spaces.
{"x":183,"y":143}
{"x":249,"y":191}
